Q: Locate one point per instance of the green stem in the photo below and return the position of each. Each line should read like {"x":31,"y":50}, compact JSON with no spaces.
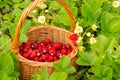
{"x":85,"y":32}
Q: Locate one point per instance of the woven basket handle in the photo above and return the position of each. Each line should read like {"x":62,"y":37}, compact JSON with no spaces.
{"x":15,"y":42}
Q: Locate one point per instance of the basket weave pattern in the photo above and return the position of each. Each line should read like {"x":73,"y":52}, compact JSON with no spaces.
{"x":40,"y":33}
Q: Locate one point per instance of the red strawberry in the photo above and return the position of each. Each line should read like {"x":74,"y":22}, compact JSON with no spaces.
{"x":47,"y":41}
{"x":51,"y":58}
{"x":25,"y":55}
{"x":55,"y":58}
{"x":49,"y":46}
{"x":73,"y":37}
{"x":38,"y":54}
{"x":39,"y":48}
{"x":58,"y":54}
{"x":63,"y":47}
{"x":44,"y":57}
{"x":70,"y":50}
{"x":44,"y":50}
{"x":63,"y":51}
{"x":34,"y":52}
{"x":27,"y":43}
{"x":36,"y":45}
{"x":40,"y":59}
{"x":42,"y":44}
{"x":25,"y":50}
{"x":36,"y":59}
{"x":57,"y":45}
{"x":20,"y":49}
{"x":68,"y":46}
{"x":52,"y":51}
{"x":31,"y":57}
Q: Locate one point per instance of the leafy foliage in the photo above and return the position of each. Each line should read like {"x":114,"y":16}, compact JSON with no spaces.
{"x":63,"y":67}
{"x":8,"y":71}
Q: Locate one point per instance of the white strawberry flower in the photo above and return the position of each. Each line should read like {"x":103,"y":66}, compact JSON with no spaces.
{"x":34,"y":11}
{"x":79,"y":41}
{"x":46,"y":10}
{"x":78,"y":29}
{"x":94,"y":27}
{"x":116,"y":4}
{"x":88,"y":34}
{"x":41,"y":19}
{"x":41,"y":5}
{"x":92,"y":40}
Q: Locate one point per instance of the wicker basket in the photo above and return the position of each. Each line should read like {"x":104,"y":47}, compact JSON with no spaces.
{"x":40,"y":33}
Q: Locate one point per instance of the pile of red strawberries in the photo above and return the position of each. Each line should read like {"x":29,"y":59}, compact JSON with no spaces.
{"x":44,"y":51}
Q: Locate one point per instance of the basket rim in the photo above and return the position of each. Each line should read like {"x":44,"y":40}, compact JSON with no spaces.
{"x":48,"y":26}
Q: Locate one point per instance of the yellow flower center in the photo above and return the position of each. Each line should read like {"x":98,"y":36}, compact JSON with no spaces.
{"x":115,"y":3}
{"x":42,"y":19}
{"x":78,"y":29}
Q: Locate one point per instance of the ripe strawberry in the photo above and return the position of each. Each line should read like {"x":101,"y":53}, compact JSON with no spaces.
{"x":69,"y":50}
{"x":55,"y":58}
{"x":47,"y":41}
{"x":52,"y":51}
{"x":36,"y":45}
{"x":27,"y":44}
{"x":25,"y":55}
{"x":49,"y":46}
{"x":40,"y":59}
{"x":51,"y":58}
{"x":44,"y":57}
{"x":31,"y":57}
{"x":63,"y":51}
{"x":25,"y":50}
{"x":40,"y":48}
{"x":68,"y":46}
{"x":58,"y":54}
{"x":34,"y":52}
{"x":57,"y":45}
{"x":73,"y":37}
{"x":44,"y":50}
{"x":38,"y":54}
{"x":42,"y":44}
{"x":63,"y":47}
{"x":36,"y":59}
{"x":20,"y":49}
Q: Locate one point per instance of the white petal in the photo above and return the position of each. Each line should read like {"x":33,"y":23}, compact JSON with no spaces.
{"x":88,"y":34}
{"x":92,"y":40}
{"x":78,"y":29}
{"x":41,"y":19}
{"x":116,"y":4}
{"x":94,"y":27}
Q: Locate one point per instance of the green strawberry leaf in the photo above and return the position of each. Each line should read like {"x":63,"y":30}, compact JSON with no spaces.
{"x":58,"y":76}
{"x":6,"y":63}
{"x":62,"y":64}
{"x":85,"y":59}
{"x":4,"y":76}
{"x":5,"y":42}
